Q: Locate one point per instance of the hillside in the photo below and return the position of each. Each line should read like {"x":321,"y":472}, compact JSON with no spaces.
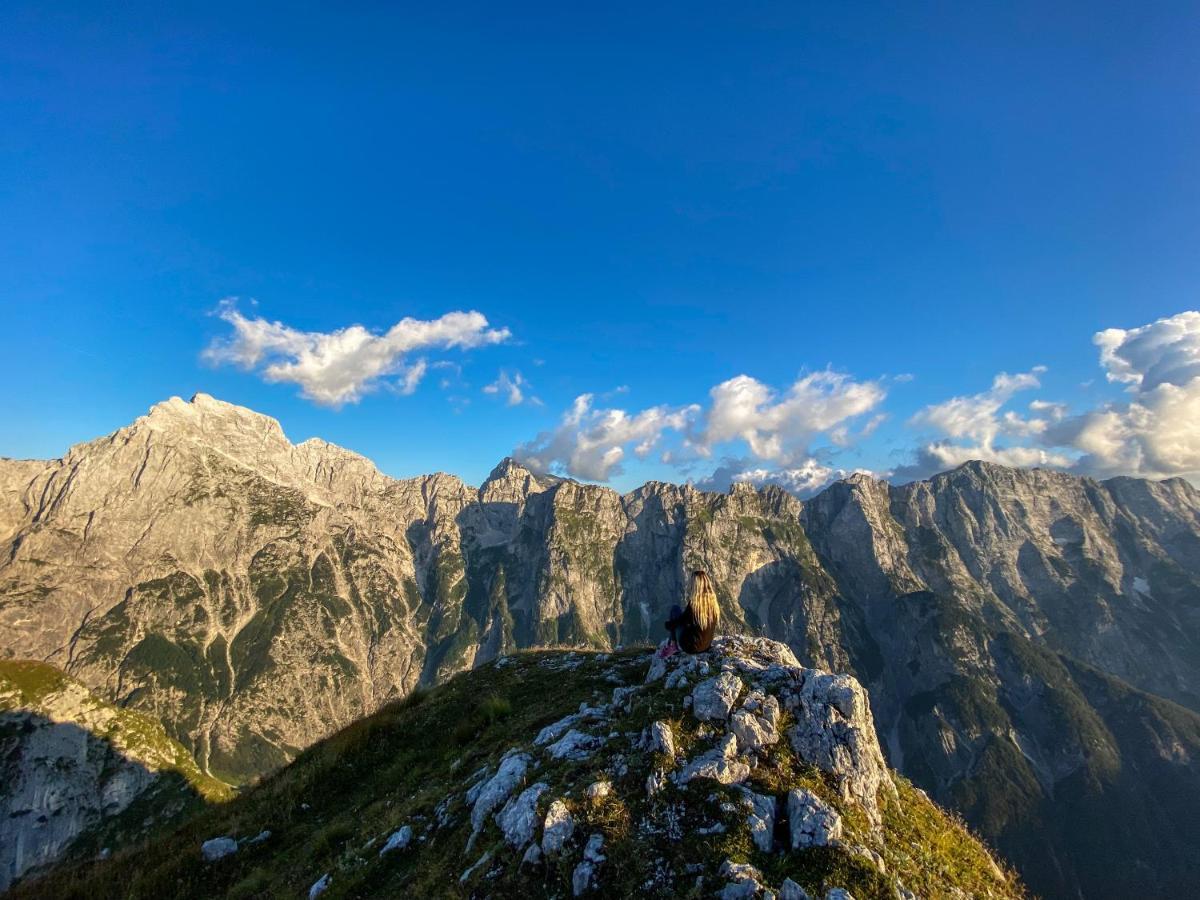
{"x":1024,"y":635}
{"x":80,"y":775}
{"x":566,"y":773}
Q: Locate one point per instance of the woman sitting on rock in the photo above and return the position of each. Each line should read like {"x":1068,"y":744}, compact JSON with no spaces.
{"x":692,"y":628}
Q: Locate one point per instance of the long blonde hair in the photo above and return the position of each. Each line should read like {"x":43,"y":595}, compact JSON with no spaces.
{"x":702,"y":600}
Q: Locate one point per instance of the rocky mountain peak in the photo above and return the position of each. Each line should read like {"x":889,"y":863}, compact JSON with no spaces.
{"x":510,"y":481}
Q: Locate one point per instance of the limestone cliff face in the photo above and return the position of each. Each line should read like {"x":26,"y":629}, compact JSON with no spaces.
{"x":255,"y":595}
{"x":70,"y":761}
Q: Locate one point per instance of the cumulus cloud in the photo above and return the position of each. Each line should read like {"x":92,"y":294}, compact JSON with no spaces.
{"x":514,"y":388}
{"x":338,"y":367}
{"x":1163,"y":352}
{"x":780,"y":427}
{"x":973,"y":427}
{"x":591,"y":443}
{"x":1156,"y":434}
{"x":776,"y":427}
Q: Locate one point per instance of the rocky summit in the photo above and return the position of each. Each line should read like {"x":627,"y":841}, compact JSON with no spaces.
{"x":735,"y":773}
{"x":1029,"y":640}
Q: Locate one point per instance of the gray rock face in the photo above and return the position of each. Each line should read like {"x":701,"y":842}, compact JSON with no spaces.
{"x":254,"y":595}
{"x":660,"y":739}
{"x":713,"y":699}
{"x":509,"y":775}
{"x":557,"y":828}
{"x":518,"y":819}
{"x":812,"y":821}
{"x":218,"y":848}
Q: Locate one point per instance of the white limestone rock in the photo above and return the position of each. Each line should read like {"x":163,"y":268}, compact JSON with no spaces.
{"x":812,"y":821}
{"x":509,"y":775}
{"x":745,"y":881}
{"x":320,"y":886}
{"x":518,"y":819}
{"x":721,"y":764}
{"x":533,"y":855}
{"x":754,"y":724}
{"x":659,"y":738}
{"x":790,"y":890}
{"x":218,"y":848}
{"x":575,"y":745}
{"x":713,"y":699}
{"x":557,"y":828}
{"x":761,"y":819}
{"x":583,"y":878}
{"x":398,"y":840}
{"x":835,"y":731}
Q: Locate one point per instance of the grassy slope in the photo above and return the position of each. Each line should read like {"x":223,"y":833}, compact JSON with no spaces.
{"x":330,"y":809}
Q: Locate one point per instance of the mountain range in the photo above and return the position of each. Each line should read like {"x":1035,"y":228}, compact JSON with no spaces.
{"x":1030,"y":640}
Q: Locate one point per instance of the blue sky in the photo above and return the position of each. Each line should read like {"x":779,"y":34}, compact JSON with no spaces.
{"x":645,"y":205}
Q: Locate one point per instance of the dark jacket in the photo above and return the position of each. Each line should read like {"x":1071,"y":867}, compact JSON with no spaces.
{"x":692,"y":638}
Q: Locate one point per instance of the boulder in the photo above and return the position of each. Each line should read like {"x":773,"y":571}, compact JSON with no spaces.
{"x":495,"y":790}
{"x":557,"y":828}
{"x":518,"y":819}
{"x":713,"y":699}
{"x":813,"y":822}
{"x":398,"y":840}
{"x":658,"y":738}
{"x":789,"y":890}
{"x":575,"y":745}
{"x":218,"y":848}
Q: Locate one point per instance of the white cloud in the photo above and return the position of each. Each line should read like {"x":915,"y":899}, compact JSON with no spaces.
{"x":337,"y":367}
{"x":975,"y":417}
{"x":1156,"y":434}
{"x":780,"y":428}
{"x":513,"y":387}
{"x":970,"y":426}
{"x":1164,"y":352}
{"x":590,"y":443}
{"x":411,"y":376}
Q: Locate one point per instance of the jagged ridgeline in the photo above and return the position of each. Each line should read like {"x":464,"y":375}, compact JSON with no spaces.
{"x":1030,"y":640}
{"x":561,"y":773}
